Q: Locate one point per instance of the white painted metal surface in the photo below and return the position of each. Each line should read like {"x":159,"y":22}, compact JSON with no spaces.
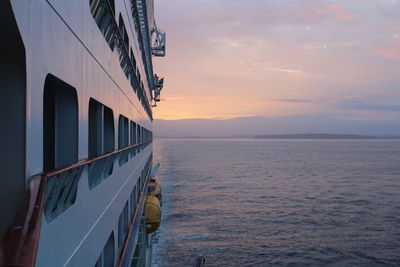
{"x":62,"y":38}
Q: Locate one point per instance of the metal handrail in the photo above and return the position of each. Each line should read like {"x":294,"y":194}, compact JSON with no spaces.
{"x":19,"y":245}
{"x":89,"y":161}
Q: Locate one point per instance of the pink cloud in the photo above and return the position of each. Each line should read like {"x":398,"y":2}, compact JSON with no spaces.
{"x":390,"y":52}
{"x":392,"y":29}
{"x":336,"y":11}
{"x":339,"y":12}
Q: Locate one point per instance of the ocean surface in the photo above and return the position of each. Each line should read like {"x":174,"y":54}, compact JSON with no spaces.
{"x":279,"y":202}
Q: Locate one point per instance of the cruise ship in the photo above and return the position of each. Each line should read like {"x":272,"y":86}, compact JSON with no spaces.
{"x":77,"y":91}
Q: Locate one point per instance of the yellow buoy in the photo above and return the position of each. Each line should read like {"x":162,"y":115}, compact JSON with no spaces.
{"x":153,"y":213}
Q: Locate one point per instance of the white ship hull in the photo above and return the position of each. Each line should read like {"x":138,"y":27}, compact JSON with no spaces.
{"x":78,"y":101}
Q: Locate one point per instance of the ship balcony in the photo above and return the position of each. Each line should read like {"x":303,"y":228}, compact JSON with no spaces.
{"x":55,"y":200}
{"x":116,"y":36}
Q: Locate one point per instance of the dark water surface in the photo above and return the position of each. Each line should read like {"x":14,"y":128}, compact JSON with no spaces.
{"x":272,"y":202}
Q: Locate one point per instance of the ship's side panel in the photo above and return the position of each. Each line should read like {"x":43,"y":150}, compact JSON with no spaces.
{"x":85,"y":227}
{"x":92,"y":39}
{"x":54,"y":49}
{"x":65,"y":42}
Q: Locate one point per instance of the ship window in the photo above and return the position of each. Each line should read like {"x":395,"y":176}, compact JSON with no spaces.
{"x":123,"y":31}
{"x":123,"y":225}
{"x":143,"y":177}
{"x":123,"y":138}
{"x":101,"y":129}
{"x":13,"y":104}
{"x":138,"y":189}
{"x":101,"y":141}
{"x":60,"y":124}
{"x":133,"y":61}
{"x":109,"y":139}
{"x":139,"y":136}
{"x":138,"y":76}
{"x":133,"y":138}
{"x":133,"y":77}
{"x":134,"y":82}
{"x":112,"y":5}
{"x":140,"y":248}
{"x":106,"y":258}
{"x":124,"y":53}
{"x":104,"y":17}
{"x":95,"y":128}
{"x":133,"y":199}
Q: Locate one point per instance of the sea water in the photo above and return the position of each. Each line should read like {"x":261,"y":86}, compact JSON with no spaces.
{"x":279,"y":202}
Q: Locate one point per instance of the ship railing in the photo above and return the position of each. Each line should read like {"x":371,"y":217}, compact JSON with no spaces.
{"x":49,"y":195}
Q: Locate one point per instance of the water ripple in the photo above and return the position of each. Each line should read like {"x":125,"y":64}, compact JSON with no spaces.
{"x":279,"y":203}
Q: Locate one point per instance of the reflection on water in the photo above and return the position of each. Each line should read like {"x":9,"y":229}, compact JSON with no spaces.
{"x":290,"y":202}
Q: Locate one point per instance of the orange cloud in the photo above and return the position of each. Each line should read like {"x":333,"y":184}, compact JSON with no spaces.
{"x":272,"y":58}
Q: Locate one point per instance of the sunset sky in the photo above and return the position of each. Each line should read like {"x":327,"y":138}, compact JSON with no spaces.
{"x":280,"y":58}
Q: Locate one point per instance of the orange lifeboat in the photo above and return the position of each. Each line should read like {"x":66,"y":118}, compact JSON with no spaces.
{"x":153,"y":206}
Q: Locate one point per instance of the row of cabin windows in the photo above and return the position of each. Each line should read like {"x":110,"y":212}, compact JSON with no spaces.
{"x":130,"y":206}
{"x":106,"y":257}
{"x":60,"y":136}
{"x":103,"y":13}
{"x":101,"y":140}
{"x":140,"y":248}
{"x":60,"y":127}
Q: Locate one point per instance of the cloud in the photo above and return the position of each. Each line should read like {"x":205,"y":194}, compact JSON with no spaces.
{"x":225,"y":43}
{"x":279,"y":58}
{"x":373,"y":103}
{"x":390,"y":52}
{"x":296,"y":100}
{"x":285,"y":70}
{"x":332,"y":10}
{"x":372,"y":107}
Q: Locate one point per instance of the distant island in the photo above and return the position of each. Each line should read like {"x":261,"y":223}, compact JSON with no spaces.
{"x":315,"y":136}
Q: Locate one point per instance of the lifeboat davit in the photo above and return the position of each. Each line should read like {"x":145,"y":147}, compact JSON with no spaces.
{"x":153,"y":206}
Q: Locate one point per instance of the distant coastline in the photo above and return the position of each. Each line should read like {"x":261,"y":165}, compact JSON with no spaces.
{"x":307,"y":136}
{"x":316,"y":136}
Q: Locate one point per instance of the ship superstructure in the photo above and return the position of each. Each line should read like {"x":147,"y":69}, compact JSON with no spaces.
{"x":77,"y":90}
